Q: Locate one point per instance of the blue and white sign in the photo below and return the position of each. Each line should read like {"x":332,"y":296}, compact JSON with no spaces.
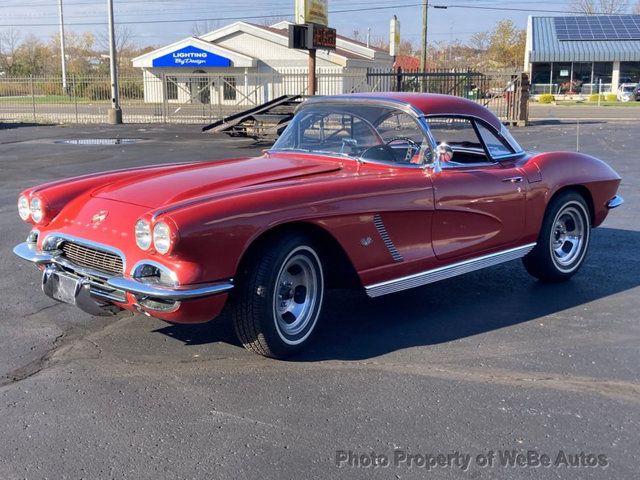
{"x":191,"y":57}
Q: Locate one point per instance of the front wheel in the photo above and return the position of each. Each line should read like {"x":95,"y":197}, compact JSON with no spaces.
{"x":563,"y":241}
{"x":279,"y":296}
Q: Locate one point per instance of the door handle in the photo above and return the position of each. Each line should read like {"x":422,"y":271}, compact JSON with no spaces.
{"x":512,"y":179}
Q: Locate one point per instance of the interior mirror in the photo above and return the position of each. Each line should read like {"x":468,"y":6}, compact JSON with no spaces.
{"x":442,"y":153}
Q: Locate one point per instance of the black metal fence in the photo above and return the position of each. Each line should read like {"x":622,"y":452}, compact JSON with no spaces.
{"x":503,"y":92}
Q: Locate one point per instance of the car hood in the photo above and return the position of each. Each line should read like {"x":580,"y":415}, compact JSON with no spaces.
{"x":164,"y":187}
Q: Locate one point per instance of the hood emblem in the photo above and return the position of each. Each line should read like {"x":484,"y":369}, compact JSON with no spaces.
{"x":99,"y":217}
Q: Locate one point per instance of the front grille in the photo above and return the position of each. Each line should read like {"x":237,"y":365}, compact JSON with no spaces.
{"x":89,"y":257}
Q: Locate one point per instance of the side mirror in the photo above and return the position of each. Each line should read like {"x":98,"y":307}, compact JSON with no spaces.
{"x":442,"y":153}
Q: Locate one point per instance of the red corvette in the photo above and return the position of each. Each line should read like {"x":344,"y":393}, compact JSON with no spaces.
{"x":389,"y":191}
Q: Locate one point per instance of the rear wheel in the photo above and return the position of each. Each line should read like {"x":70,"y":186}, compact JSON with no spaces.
{"x":563,"y":241}
{"x":279,"y":296}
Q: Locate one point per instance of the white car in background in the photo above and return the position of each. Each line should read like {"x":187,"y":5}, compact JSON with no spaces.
{"x":627,"y":92}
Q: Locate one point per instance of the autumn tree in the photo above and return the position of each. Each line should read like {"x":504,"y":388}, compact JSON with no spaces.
{"x":79,"y":52}
{"x":507,"y":44}
{"x":9,"y":43}
{"x":33,"y":57}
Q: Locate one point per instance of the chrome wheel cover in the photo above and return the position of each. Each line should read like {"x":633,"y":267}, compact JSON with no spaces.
{"x":569,"y":236}
{"x":297,"y":295}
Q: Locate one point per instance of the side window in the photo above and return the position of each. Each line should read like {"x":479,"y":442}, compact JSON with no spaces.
{"x":461,"y":136}
{"x":495,"y":146}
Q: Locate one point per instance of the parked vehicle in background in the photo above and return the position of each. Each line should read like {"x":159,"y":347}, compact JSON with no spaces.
{"x":385,"y":191}
{"x":627,"y":92}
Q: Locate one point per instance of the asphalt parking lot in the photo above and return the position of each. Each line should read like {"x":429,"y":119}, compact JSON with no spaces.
{"x":489,"y":362}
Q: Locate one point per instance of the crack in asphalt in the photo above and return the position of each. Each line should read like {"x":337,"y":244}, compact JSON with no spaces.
{"x":33,"y":367}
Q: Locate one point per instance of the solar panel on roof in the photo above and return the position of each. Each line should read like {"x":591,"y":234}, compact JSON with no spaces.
{"x":598,"y":27}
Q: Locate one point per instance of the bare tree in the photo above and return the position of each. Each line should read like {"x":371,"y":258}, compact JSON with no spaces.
{"x":636,"y":8}
{"x":125,"y":43}
{"x":594,"y":7}
{"x":479,"y":41}
{"x":201,"y":28}
{"x":9,"y":44}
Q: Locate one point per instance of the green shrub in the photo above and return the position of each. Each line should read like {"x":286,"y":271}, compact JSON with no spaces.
{"x":594,"y":97}
{"x":98,"y":91}
{"x":132,"y":90}
{"x":612,"y":97}
{"x":546,"y":98}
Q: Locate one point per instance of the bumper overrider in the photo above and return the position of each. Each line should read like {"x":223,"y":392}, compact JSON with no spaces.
{"x":98,"y":293}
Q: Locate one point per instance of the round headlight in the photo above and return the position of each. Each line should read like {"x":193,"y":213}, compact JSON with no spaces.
{"x":23,"y":208}
{"x":36,"y":209}
{"x":143,"y":234}
{"x":162,"y":237}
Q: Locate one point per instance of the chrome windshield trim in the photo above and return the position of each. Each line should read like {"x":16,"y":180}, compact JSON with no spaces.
{"x":415,"y":113}
{"x":447,"y":271}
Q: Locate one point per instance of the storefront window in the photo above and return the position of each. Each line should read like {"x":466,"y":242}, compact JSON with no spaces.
{"x":629,"y":72}
{"x":541,"y":73}
{"x":602,"y":71}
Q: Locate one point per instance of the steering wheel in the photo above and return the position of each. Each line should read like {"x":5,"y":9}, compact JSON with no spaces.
{"x":380,"y":152}
{"x":411,"y":151}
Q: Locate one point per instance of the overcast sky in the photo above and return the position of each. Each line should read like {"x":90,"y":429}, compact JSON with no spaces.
{"x":457,"y":21}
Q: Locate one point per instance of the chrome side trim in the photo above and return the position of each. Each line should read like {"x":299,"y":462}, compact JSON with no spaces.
{"x":447,"y":271}
{"x":382,"y":231}
{"x":615,"y":202}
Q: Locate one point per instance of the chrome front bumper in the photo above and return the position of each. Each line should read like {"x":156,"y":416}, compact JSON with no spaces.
{"x":140,"y":289}
{"x":615,"y":202}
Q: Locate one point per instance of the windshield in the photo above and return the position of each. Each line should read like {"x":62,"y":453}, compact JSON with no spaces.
{"x":366,"y":132}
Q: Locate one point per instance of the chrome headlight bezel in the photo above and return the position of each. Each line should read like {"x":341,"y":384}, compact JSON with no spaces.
{"x":162,"y":238}
{"x":142,"y":233}
{"x":36,"y":209}
{"x":24,"y":208}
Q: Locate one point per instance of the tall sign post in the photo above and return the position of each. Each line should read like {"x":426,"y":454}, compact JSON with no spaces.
{"x":394,"y":37}
{"x":311,"y":33}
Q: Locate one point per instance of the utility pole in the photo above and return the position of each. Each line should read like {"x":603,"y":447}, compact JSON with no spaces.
{"x":115,"y":114}
{"x":62,"y":49}
{"x":423,"y":52}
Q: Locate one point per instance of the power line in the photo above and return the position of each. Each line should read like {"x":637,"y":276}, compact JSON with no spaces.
{"x":185,"y":20}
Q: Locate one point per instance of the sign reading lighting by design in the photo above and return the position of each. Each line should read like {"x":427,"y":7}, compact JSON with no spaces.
{"x":191,"y":57}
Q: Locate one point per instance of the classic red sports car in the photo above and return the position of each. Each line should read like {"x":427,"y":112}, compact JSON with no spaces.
{"x":389,"y":191}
